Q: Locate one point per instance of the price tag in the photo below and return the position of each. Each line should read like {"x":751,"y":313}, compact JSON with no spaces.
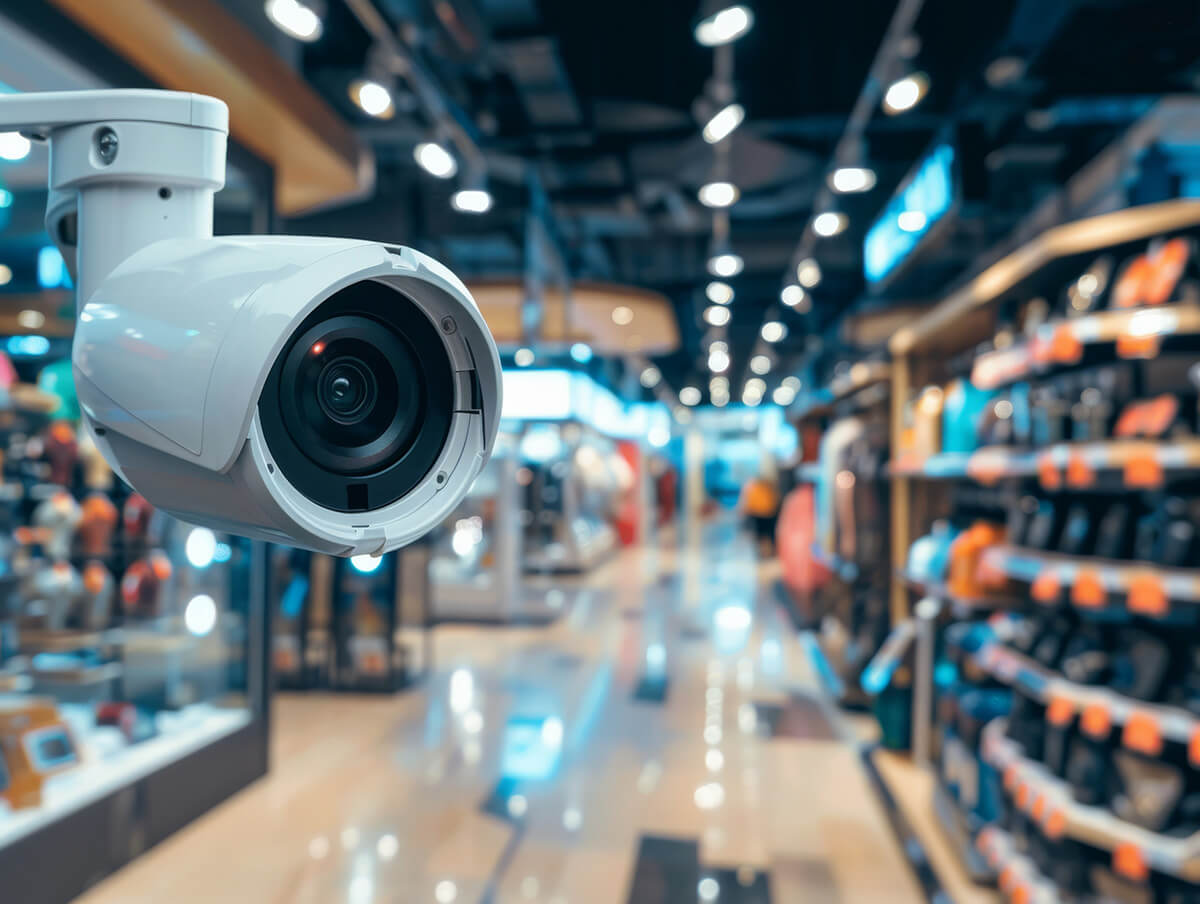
{"x":1056,"y":824}
{"x":1046,"y":587}
{"x":1011,"y":779}
{"x":1147,"y":596}
{"x":1079,"y":472}
{"x":1194,"y":748}
{"x":1096,"y":721}
{"x":1130,"y":862}
{"x":1065,"y":347}
{"x":1143,"y":470}
{"x":1038,"y":810}
{"x":1142,"y":733}
{"x":1130,"y":345}
{"x":1021,"y":895}
{"x":1022,"y":796}
{"x":1060,"y":711}
{"x":1088,"y":590}
{"x":1048,"y":474}
{"x":1007,"y":879}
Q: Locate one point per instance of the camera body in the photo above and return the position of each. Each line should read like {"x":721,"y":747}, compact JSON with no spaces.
{"x":334,"y":394}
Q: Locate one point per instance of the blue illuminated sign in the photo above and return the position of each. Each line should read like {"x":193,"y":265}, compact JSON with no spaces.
{"x":910,"y":215}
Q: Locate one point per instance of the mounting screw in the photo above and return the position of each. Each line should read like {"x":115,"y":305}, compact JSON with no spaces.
{"x":106,"y":145}
{"x":441,"y":477}
{"x":449,"y":327}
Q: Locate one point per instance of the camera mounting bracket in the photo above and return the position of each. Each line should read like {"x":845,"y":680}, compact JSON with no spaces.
{"x":127,"y":168}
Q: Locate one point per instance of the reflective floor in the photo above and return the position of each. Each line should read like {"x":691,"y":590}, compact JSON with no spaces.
{"x":663,"y":742}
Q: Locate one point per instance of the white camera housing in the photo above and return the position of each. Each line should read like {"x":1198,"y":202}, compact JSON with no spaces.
{"x":334,"y":394}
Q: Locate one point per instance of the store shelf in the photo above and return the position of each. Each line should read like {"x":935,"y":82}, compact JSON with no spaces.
{"x":862,"y":375}
{"x":953,"y":823}
{"x":1090,"y":583}
{"x":68,"y":641}
{"x":1050,"y":804}
{"x":1080,"y":237}
{"x":1142,"y":464}
{"x":940,"y":591}
{"x":1136,"y":332}
{"x":1145,"y":726}
{"x":943,"y":466}
{"x":1019,"y":877}
{"x":80,"y":677}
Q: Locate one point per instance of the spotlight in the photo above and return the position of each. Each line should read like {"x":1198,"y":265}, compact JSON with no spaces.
{"x":689,"y":396}
{"x":723,"y":123}
{"x":435,"y":159}
{"x":718,"y":194}
{"x":760,"y":364}
{"x":792,"y":295}
{"x":725,"y":264}
{"x":847,"y":180}
{"x":829,"y":223}
{"x":301,"y":20}
{"x":716,"y":315}
{"x":718,"y":361}
{"x":905,"y":93}
{"x":373,"y":98}
{"x":724,"y":25}
{"x":808,"y":272}
{"x":472,"y":200}
{"x":773,"y":331}
{"x":719,"y":292}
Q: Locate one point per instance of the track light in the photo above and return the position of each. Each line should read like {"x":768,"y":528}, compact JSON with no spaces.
{"x":724,"y":262}
{"x":435,"y":159}
{"x":905,"y":93}
{"x":300,"y":20}
{"x":773,"y":331}
{"x":829,"y":223}
{"x":723,"y":123}
{"x":808,"y":273}
{"x":846,"y":180}
{"x":718,"y":194}
{"x":473,"y":195}
{"x":724,"y":24}
{"x":716,"y":315}
{"x":792,"y":295}
{"x":719,"y":292}
{"x":373,"y":98}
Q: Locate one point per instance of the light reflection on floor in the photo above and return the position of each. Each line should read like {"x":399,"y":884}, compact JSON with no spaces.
{"x":618,"y":755}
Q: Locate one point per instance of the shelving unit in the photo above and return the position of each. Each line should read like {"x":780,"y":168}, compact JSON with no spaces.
{"x":1018,"y":876}
{"x":1049,"y":803}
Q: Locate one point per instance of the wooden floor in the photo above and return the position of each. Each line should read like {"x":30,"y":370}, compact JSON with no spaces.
{"x":663,"y":742}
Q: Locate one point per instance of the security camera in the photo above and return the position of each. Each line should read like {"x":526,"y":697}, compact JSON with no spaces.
{"x":334,"y":394}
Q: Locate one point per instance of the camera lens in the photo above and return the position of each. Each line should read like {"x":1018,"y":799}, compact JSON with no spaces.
{"x":357,"y":408}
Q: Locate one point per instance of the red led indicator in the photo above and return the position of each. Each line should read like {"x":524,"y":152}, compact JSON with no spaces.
{"x":318,"y":347}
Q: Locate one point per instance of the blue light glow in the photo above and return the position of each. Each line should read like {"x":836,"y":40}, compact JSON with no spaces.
{"x":223,"y":553}
{"x":581,"y":352}
{"x":6,"y":197}
{"x":532,"y":747}
{"x":52,"y":269}
{"x":930,"y":191}
{"x":27,"y":346}
{"x":366,"y":564}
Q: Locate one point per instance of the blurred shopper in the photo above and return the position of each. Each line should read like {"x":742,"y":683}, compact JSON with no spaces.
{"x":759,"y":504}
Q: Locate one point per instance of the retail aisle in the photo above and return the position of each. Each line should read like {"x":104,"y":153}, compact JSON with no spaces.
{"x":664,"y":742}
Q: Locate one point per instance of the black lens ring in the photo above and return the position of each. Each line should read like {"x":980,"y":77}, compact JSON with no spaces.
{"x":392,"y":314}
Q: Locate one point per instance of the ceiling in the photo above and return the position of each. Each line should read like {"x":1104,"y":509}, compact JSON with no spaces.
{"x":584,"y":116}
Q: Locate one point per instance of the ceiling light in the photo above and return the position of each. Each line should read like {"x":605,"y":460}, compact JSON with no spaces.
{"x":905,"y":93}
{"x":760,"y":364}
{"x":372,"y":98}
{"x":30,"y":319}
{"x":716,"y":315}
{"x":651,"y":377}
{"x":581,"y":352}
{"x":829,"y":223}
{"x":792,"y":295}
{"x":911,"y":220}
{"x":435,"y":159}
{"x":720,"y":400}
{"x":5,"y":274}
{"x":1004,"y":71}
{"x":808,"y":272}
{"x":301,"y":20}
{"x":718,"y":344}
{"x":723,"y":123}
{"x":773,"y":331}
{"x":719,"y":292}
{"x":850,"y":179}
{"x":724,"y":25}
{"x":783,"y":395}
{"x":622,"y":315}
{"x":718,"y":361}
{"x":523,"y":357}
{"x":718,"y":385}
{"x":14,"y":146}
{"x":755,"y":386}
{"x":725,"y":264}
{"x":689,"y":396}
{"x":472,"y":200}
{"x":793,"y":383}
{"x":718,"y":194}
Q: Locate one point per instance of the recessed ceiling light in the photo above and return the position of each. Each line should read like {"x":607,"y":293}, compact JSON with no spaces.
{"x":716,"y":315}
{"x":792,"y":295}
{"x":808,"y":272}
{"x":773,"y":331}
{"x":847,"y":180}
{"x":725,"y":264}
{"x":905,"y":93}
{"x":829,"y":223}
{"x":718,"y":194}
{"x":372,"y":98}
{"x":724,"y":25}
{"x":719,"y":292}
{"x":723,"y":123}
{"x":760,"y":364}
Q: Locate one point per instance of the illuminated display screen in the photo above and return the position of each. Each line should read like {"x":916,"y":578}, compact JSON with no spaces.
{"x":909,"y":216}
